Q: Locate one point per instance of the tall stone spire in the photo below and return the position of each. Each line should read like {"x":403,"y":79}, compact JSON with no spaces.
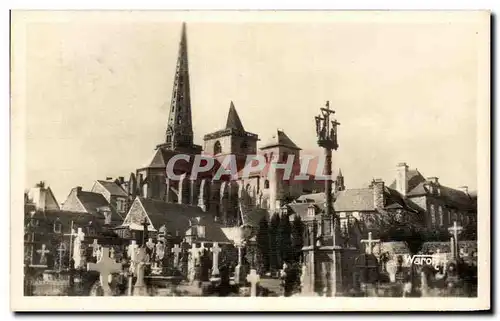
{"x":233,"y":120}
{"x":179,"y":134}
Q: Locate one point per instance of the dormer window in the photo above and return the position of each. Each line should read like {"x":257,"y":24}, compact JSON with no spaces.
{"x":57,"y":227}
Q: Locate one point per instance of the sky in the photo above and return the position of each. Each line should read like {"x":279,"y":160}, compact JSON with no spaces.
{"x":98,"y":88}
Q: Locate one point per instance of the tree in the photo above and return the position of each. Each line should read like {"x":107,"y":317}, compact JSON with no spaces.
{"x":263,"y":243}
{"x":274,"y":253}
{"x":285,"y":239}
{"x":297,"y":238}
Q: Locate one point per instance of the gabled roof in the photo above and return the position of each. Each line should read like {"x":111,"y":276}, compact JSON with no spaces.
{"x":414,"y":179}
{"x":233,"y":120}
{"x":95,"y":203}
{"x":42,"y":198}
{"x":176,"y":217}
{"x":280,"y":139}
{"x":113,"y":188}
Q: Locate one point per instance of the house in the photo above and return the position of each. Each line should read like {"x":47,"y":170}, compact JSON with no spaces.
{"x":442,"y":204}
{"x":41,"y":198}
{"x":114,"y":194}
{"x":170,"y":220}
{"x":95,"y":204}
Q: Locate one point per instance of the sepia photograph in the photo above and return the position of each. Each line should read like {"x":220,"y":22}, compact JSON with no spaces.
{"x":314,"y":160}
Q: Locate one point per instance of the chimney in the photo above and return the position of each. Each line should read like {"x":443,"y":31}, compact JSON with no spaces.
{"x":78,"y":190}
{"x":378,"y":193}
{"x":109,"y":178}
{"x":402,"y":178}
{"x":464,"y":189}
{"x":433,"y":180}
{"x":121,"y":179}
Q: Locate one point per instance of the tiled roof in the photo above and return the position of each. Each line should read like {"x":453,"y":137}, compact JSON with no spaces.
{"x":312,"y":198}
{"x":113,"y":188}
{"x":254,"y":216}
{"x":280,"y":139}
{"x":413,"y":179}
{"x":95,"y":202}
{"x":174,"y":216}
{"x":354,"y":200}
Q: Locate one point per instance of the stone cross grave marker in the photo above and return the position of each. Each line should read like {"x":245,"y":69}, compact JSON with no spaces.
{"x":142,"y":259}
{"x":455,"y":230}
{"x":370,"y":242}
{"x":42,"y":252}
{"x":176,"y":250}
{"x":254,"y":279}
{"x":96,"y":252}
{"x":132,"y":254}
{"x":62,"y":251}
{"x":77,"y":253}
{"x":194,"y":251}
{"x":215,"y":264}
{"x":106,"y":267}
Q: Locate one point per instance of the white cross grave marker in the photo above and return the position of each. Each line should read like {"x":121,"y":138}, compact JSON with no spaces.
{"x":194,"y":252}
{"x":454,"y":231}
{"x":254,"y":279}
{"x":370,"y":242}
{"x":176,"y":250}
{"x":215,"y":265}
{"x":106,"y":267}
{"x":42,"y":252}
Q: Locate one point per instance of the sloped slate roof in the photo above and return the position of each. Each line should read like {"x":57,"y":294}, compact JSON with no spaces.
{"x":312,"y":198}
{"x":177,"y":214}
{"x":254,"y":216}
{"x":413,"y":179}
{"x":280,"y":139}
{"x":92,"y":202}
{"x":113,"y":188}
{"x":354,"y":200}
{"x":233,"y":120}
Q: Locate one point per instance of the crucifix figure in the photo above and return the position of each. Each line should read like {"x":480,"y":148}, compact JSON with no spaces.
{"x":455,"y":230}
{"x":215,"y":264}
{"x":42,"y":252}
{"x":370,"y":243}
{"x":254,"y":279}
{"x":77,"y":251}
{"x":106,"y":267}
{"x":95,"y":246}
{"x":176,"y":250}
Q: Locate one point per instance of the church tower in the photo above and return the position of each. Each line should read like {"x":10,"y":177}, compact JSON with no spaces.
{"x":179,"y":133}
{"x":233,"y":139}
{"x":152,"y":180}
{"x":339,"y":182}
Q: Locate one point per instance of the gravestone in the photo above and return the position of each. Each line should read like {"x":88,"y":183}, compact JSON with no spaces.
{"x":95,"y":249}
{"x":176,"y":250}
{"x":42,"y":252}
{"x":142,"y":259}
{"x":106,"y":267}
{"x":193,"y":262}
{"x":215,"y":259}
{"x":253,"y":278}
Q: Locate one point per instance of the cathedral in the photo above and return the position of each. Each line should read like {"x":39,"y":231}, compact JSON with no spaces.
{"x":229,"y":200}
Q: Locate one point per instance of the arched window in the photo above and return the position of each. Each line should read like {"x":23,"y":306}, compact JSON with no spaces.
{"x":217,"y":148}
{"x":266,"y":183}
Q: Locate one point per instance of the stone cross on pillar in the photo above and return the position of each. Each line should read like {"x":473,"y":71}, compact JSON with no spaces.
{"x":95,"y":253}
{"x":215,"y":264}
{"x":176,"y":250}
{"x":370,"y":242}
{"x":106,"y":267}
{"x":454,"y":231}
{"x":42,"y":252}
{"x":254,"y":279}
